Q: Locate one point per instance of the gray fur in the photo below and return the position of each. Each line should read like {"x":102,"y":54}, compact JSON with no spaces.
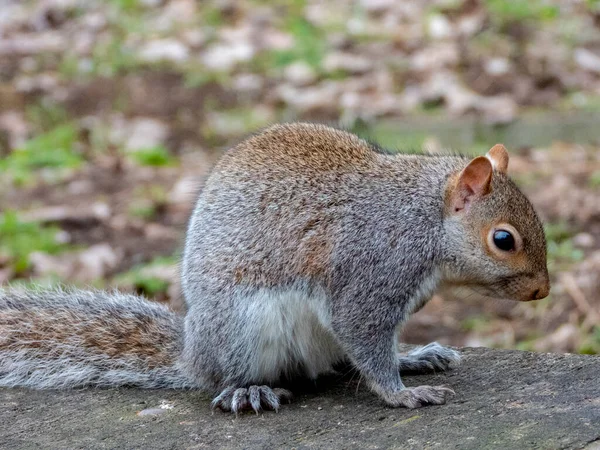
{"x":385,"y":261}
{"x":306,"y":248}
{"x":52,"y":362}
{"x":377,"y":222}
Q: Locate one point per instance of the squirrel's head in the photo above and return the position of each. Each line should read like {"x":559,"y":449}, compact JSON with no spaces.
{"x":494,"y":240}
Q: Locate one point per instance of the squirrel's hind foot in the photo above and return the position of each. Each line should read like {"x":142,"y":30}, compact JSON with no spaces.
{"x":236,"y":399}
{"x":429,"y":358}
{"x":418,"y":396}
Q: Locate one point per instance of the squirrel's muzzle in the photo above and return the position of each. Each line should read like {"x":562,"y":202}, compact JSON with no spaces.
{"x":541,"y":289}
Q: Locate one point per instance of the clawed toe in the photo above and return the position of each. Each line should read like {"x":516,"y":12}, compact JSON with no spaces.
{"x":254,"y":397}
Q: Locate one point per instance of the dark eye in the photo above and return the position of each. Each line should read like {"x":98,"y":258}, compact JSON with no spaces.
{"x":504,"y":240}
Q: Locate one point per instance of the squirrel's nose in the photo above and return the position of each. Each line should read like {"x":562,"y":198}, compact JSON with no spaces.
{"x":542,"y":290}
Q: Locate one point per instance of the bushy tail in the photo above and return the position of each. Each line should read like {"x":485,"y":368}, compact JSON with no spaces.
{"x":71,"y":338}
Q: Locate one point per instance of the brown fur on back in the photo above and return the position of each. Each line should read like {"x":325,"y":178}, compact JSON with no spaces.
{"x":301,"y":147}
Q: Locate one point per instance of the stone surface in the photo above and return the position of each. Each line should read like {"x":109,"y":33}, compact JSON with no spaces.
{"x":504,"y":400}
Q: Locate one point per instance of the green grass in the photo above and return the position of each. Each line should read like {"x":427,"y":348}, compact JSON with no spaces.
{"x":111,"y":54}
{"x":594,"y":179}
{"x":309,"y":41}
{"x":528,"y":343}
{"x":55,"y":149}
{"x":212,"y":17}
{"x":475,"y":323}
{"x":591,"y":345}
{"x":558,"y":231}
{"x":148,"y":201}
{"x":309,"y":45}
{"x":593,"y":5}
{"x":18,"y":239}
{"x":112,"y":57}
{"x":561,"y":251}
{"x":125,"y":5}
{"x":521,"y":10}
{"x":149,"y":286}
{"x":157,"y":156}
{"x":143,"y":210}
{"x":196,"y":75}
{"x":141,"y":279}
{"x":46,"y":115}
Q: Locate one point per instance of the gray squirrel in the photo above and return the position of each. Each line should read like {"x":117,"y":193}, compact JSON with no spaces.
{"x":307,"y":247}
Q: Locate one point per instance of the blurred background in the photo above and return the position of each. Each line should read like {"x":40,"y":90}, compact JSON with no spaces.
{"x":112,"y":113}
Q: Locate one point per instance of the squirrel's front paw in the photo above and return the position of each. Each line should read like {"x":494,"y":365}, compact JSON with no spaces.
{"x":254,"y":397}
{"x":418,"y":396}
{"x":429,"y":358}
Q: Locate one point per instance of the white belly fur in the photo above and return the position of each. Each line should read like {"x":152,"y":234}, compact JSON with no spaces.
{"x":294,"y":336}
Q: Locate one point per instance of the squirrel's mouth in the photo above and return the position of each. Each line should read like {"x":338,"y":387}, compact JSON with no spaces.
{"x":518,"y":289}
{"x":511,"y":288}
{"x":488,"y":293}
{"x":523,"y":297}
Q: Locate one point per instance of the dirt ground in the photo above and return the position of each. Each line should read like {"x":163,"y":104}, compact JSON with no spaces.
{"x":112,"y":113}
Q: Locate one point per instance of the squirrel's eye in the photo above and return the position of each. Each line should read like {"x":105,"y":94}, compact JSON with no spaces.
{"x":504,"y":240}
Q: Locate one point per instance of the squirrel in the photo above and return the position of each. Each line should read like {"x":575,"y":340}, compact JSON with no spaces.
{"x":307,"y":247}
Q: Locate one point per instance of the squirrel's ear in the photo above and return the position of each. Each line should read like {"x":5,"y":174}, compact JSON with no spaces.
{"x":472,"y":183}
{"x":498,"y":156}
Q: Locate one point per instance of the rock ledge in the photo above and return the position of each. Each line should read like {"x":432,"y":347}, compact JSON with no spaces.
{"x":504,"y":400}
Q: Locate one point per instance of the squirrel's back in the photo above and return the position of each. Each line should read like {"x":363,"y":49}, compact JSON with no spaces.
{"x":70,"y":338}
{"x":302,"y":148}
{"x":276,"y":205}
